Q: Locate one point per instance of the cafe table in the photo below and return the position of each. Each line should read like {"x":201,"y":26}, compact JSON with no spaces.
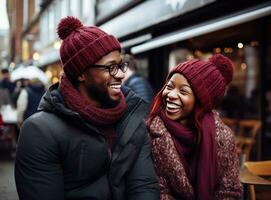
{"x":247,"y":178}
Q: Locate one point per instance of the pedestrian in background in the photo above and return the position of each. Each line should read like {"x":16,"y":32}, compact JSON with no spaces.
{"x":28,"y":99}
{"x":194,"y":151}
{"x":135,"y":81}
{"x":88,"y":139}
{"x":6,"y":83}
{"x":4,"y":97}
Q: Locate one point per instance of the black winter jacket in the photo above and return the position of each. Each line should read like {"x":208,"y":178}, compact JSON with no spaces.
{"x":61,"y":156}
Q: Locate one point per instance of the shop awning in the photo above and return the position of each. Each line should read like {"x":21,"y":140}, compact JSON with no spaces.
{"x":204,"y":28}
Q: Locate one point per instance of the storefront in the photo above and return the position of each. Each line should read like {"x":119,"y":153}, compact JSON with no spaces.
{"x":181,"y":30}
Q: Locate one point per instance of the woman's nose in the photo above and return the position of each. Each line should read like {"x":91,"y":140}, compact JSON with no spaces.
{"x":173,"y":94}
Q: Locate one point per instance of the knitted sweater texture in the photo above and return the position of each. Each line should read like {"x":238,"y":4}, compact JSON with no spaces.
{"x":174,"y":183}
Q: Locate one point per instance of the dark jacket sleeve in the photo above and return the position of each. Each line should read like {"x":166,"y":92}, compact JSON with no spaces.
{"x":38,"y":173}
{"x":141,"y":181}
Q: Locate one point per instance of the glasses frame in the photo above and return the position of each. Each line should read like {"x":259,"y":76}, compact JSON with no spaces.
{"x":123,"y":66}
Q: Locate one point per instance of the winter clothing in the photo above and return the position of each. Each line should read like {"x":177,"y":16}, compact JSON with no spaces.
{"x":35,"y":92}
{"x":208,"y":79}
{"x":104,"y":119}
{"x":198,"y":140}
{"x":140,"y":86}
{"x":28,"y":100}
{"x":82,"y":45}
{"x":68,"y":157}
{"x":98,"y":116}
{"x":7,"y":84}
{"x":196,"y":159}
{"x":170,"y":166}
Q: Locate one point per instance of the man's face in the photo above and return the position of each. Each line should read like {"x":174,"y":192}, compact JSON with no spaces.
{"x":102,"y":88}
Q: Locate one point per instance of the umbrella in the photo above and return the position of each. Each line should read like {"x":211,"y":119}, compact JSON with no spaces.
{"x":30,"y":72}
{"x":18,"y":73}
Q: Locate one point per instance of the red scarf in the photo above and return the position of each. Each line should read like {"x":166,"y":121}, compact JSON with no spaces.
{"x":200,"y":161}
{"x":97,"y":116}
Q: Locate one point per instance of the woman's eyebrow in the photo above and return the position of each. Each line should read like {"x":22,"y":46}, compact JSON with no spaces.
{"x":185,"y":85}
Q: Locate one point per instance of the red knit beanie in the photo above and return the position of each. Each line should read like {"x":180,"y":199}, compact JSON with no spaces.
{"x":82,"y":45}
{"x":208,"y":79}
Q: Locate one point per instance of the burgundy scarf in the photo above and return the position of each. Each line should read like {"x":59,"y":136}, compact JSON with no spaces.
{"x":200,"y":162}
{"x":97,"y":116}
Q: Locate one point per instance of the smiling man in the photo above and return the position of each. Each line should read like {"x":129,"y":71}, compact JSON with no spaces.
{"x":88,"y":139}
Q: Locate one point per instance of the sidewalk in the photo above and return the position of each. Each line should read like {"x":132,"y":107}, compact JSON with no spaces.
{"x":7,"y":182}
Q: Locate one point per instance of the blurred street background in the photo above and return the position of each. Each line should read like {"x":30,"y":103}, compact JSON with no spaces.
{"x":160,"y":34}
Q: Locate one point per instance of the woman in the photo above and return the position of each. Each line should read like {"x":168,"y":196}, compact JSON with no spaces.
{"x":194,"y":152}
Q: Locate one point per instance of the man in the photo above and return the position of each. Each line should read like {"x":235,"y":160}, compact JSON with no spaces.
{"x":28,"y":99}
{"x":135,"y":81}
{"x":5,"y":82}
{"x":88,"y":139}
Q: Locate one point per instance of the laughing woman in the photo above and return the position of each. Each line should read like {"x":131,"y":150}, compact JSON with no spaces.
{"x":194,"y":152}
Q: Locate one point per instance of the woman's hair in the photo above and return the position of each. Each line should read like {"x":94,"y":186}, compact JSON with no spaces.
{"x":157,"y":105}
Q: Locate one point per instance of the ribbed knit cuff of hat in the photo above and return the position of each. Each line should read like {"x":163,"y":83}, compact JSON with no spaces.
{"x":93,"y":52}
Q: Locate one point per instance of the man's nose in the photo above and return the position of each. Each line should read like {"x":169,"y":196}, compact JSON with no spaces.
{"x":120,"y":74}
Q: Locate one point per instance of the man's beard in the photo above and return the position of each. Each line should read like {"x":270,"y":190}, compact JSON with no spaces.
{"x":102,"y":97}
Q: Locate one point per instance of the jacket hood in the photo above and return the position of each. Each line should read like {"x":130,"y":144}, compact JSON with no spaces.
{"x":52,"y":101}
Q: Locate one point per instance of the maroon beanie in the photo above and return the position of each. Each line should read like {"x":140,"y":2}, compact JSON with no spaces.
{"x":208,"y":79}
{"x":82,"y":45}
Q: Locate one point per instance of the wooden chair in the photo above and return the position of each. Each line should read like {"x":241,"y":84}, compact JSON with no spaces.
{"x":231,"y":122}
{"x":257,"y":169}
{"x":246,"y":136}
{"x":245,"y":131}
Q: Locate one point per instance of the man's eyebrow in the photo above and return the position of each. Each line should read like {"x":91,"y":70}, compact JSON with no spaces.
{"x":112,"y":62}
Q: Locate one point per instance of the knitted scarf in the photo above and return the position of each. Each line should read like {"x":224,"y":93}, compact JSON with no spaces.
{"x":200,"y":162}
{"x":97,"y":116}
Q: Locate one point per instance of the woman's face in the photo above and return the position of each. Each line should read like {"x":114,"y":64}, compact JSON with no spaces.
{"x":179,"y":99}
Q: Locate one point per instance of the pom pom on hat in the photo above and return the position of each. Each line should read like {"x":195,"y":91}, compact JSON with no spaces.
{"x":67,"y":25}
{"x":224,"y":65}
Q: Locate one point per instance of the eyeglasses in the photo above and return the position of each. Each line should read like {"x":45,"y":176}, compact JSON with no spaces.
{"x":113,"y":68}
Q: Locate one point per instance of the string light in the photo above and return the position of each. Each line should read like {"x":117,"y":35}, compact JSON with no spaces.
{"x":254,"y":43}
{"x":217,"y":50}
{"x":240,"y":45}
{"x":228,"y":50}
{"x":243,"y":66}
{"x":36,"y":56}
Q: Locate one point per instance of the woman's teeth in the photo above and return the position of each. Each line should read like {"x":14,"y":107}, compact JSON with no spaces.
{"x":173,"y":106}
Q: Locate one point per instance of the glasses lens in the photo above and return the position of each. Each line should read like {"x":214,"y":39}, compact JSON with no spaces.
{"x":124,"y":66}
{"x":113,"y":69}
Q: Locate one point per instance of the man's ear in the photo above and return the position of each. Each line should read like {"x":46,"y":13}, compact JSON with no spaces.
{"x":81,"y":78}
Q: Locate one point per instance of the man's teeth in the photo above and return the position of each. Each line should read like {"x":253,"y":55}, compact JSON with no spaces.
{"x":173,"y":106}
{"x":115,"y":86}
